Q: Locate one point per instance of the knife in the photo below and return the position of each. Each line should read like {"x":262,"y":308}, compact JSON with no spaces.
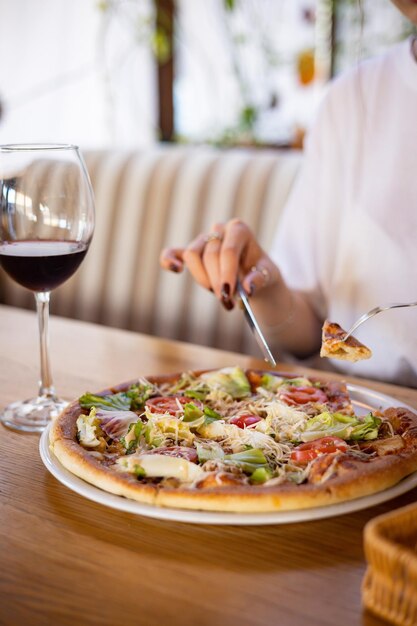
{"x":254,"y":326}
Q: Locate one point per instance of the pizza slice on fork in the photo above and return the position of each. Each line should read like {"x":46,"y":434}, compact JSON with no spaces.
{"x":335,"y":346}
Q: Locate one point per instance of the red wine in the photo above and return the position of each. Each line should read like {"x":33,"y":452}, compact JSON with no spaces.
{"x":41,"y":265}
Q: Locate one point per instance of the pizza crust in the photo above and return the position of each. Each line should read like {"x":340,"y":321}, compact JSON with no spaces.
{"x":333,"y":345}
{"x":287,"y":497}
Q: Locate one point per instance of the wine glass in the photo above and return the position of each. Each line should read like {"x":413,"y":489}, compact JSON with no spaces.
{"x":46,"y":226}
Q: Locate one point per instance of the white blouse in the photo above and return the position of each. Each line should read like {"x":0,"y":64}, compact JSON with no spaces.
{"x":348,"y":237}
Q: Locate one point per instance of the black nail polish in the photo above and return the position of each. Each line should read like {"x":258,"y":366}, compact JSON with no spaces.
{"x":211,"y":289}
{"x":174,"y":268}
{"x":228,"y":304}
{"x":225,"y":291}
{"x":251,"y":289}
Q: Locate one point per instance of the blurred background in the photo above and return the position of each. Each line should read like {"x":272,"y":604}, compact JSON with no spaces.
{"x":129,"y":73}
{"x":153,"y":91}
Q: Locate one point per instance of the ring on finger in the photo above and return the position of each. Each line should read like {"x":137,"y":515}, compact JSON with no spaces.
{"x":212,"y":237}
{"x":261,"y":270}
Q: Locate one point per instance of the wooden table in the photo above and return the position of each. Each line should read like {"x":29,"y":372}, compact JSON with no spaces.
{"x":68,"y":561}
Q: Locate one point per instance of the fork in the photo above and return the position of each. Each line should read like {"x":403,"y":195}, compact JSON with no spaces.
{"x":375,"y":311}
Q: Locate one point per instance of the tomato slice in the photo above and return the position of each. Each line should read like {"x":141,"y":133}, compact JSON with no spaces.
{"x":303,"y":395}
{"x":306,"y":452}
{"x":243,"y":421}
{"x":178,"y":451}
{"x":169,"y":404}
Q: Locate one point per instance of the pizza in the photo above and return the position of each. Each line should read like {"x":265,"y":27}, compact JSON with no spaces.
{"x":234,"y":440}
{"x":335,"y":346}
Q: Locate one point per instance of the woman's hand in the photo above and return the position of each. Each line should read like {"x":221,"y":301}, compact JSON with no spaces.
{"x":217,"y":260}
{"x":229,"y":253}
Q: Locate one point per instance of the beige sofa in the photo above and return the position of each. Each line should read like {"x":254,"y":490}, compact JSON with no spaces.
{"x":165,"y":196}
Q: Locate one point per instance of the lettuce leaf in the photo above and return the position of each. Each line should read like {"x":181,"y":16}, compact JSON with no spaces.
{"x":367,"y":428}
{"x":248,"y":460}
{"x":271,"y":382}
{"x":115,"y":401}
{"x":339,"y":425}
{"x":232,"y":381}
{"x":139,"y":393}
{"x":131,"y":400}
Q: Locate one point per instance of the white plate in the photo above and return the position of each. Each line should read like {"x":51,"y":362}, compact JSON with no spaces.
{"x":363,"y":399}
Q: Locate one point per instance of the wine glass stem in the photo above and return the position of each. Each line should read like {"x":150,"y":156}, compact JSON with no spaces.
{"x":46,"y":388}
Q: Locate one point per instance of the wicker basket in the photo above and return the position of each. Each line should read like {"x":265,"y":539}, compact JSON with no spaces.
{"x":389,"y":587}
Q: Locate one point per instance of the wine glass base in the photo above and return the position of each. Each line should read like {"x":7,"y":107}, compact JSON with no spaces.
{"x":32,"y":415}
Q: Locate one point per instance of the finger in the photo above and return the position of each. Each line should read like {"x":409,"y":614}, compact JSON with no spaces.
{"x":211,"y":257}
{"x":258,"y":277}
{"x":236,"y":239}
{"x":172,"y":259}
{"x":192,"y":257}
